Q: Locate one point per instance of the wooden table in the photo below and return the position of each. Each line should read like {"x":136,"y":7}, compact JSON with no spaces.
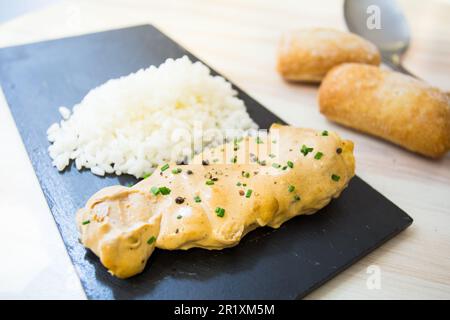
{"x":239,"y":39}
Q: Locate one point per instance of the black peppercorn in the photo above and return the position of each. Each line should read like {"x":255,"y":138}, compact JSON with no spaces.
{"x":179,"y":200}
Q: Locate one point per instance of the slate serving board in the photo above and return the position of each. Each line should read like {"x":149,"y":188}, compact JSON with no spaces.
{"x":286,"y":263}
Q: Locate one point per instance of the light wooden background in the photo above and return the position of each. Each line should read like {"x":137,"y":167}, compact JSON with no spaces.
{"x":238,"y":38}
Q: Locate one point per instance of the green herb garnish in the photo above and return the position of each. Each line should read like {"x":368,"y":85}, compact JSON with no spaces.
{"x":176,"y":170}
{"x":290,"y":164}
{"x":335,"y":177}
{"x":291,"y":188}
{"x":161,"y":190}
{"x":276,"y":165}
{"x":86,"y":222}
{"x":179,"y":216}
{"x":325,"y":133}
{"x":234,"y":159}
{"x":220,"y":212}
{"x":305,"y":150}
{"x":318,"y":155}
{"x":258,"y":140}
{"x":296,"y":198}
{"x":155,"y":190}
{"x":165,"y":167}
{"x":209,"y":182}
{"x":146,"y":175}
{"x":151,"y":240}
{"x":249,"y":193}
{"x":164,"y":191}
{"x":236,"y":144}
{"x":197,"y":199}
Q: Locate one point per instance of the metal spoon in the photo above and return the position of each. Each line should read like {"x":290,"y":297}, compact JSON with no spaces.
{"x":383,"y":23}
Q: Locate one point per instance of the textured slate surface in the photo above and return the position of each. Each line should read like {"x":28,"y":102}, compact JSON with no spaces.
{"x":268,"y":264}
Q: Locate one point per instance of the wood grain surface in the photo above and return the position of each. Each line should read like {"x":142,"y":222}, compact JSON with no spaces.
{"x":239,"y":38}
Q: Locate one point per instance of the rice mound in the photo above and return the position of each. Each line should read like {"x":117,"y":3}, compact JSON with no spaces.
{"x":131,"y":124}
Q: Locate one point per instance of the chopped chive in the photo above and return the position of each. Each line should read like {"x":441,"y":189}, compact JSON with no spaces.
{"x":244,"y":184}
{"x":220,"y":212}
{"x":276,"y":165}
{"x":284,"y":168}
{"x":146,"y":175}
{"x":176,"y":170}
{"x":209,"y":182}
{"x":249,"y":193}
{"x":335,"y":177}
{"x":130,"y":184}
{"x":247,"y":175}
{"x":318,"y":155}
{"x":151,"y":240}
{"x":291,"y":188}
{"x":155,"y":190}
{"x":234,"y":159}
{"x":296,"y":198}
{"x":238,"y":184}
{"x":290,"y":164}
{"x":165,"y":167}
{"x":258,"y":140}
{"x":161,"y":190}
{"x":305,"y":150}
{"x":179,"y":216}
{"x":86,"y":222}
{"x":164,"y":191}
{"x":272,"y":155}
{"x":325,"y":133}
{"x":339,"y":150}
{"x":197,"y":199}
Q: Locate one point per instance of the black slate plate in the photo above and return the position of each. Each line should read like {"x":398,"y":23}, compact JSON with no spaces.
{"x":268,"y":264}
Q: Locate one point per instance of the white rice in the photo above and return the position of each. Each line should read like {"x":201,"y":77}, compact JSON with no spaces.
{"x":132,"y":124}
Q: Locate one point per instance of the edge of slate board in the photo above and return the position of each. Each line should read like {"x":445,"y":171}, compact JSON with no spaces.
{"x":256,"y":106}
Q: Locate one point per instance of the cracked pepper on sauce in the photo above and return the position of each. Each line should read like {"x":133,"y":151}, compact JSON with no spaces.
{"x":222,"y":195}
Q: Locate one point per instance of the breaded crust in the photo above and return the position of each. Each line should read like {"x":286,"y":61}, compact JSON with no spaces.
{"x":389,"y":105}
{"x":308,"y":54}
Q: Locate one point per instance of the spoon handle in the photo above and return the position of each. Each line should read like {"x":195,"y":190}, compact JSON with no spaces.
{"x":395,"y":63}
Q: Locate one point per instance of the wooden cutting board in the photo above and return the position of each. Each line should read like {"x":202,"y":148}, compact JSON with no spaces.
{"x":286,"y":263}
